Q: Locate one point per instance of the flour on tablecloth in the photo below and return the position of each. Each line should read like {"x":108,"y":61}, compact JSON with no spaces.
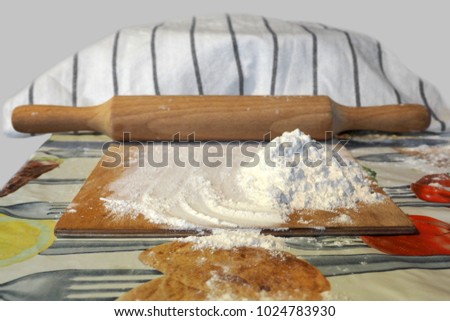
{"x":229,"y":239}
{"x":431,"y":158}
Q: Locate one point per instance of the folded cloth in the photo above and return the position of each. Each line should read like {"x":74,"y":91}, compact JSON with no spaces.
{"x":233,"y":55}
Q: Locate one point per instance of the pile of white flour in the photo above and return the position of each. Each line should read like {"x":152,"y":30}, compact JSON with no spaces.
{"x":258,"y":196}
{"x":299,"y":177}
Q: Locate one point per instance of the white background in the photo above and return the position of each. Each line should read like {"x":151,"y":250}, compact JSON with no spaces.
{"x":344,"y":310}
{"x":35,"y":35}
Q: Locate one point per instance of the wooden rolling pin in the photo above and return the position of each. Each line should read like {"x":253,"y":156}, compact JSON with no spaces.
{"x":218,"y":117}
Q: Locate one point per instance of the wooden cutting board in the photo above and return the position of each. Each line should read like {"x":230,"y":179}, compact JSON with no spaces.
{"x":88,"y":217}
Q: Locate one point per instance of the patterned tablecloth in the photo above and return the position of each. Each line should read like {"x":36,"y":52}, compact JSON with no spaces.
{"x":34,"y":265}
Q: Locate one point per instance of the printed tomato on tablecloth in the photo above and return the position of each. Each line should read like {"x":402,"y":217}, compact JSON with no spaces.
{"x":433,"y":239}
{"x":433,"y":188}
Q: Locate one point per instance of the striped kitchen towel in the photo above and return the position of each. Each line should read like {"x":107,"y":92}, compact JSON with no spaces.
{"x":233,"y":55}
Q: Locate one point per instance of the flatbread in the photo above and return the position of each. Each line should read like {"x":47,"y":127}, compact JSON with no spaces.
{"x":240,"y":273}
{"x":163,"y":289}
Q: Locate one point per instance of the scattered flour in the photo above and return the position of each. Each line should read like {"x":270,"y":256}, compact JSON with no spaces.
{"x":440,"y":186}
{"x":343,"y":219}
{"x":229,"y":239}
{"x":217,"y":282}
{"x":224,"y":196}
{"x":435,"y":157}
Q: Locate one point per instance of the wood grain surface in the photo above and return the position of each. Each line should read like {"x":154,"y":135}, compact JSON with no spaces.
{"x":219,"y":117}
{"x":88,"y":217}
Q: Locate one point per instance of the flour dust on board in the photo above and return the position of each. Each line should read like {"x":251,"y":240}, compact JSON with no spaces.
{"x":223,"y":185}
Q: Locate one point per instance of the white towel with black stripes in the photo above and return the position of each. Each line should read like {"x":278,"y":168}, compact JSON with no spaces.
{"x":233,"y":55}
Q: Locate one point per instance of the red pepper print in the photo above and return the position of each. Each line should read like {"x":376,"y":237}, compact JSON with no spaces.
{"x":433,"y":239}
{"x":433,"y":188}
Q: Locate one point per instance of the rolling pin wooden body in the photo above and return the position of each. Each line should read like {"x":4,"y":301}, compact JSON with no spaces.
{"x":218,"y":117}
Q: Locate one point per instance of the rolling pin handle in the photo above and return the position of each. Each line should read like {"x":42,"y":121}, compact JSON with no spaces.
{"x":41,"y":119}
